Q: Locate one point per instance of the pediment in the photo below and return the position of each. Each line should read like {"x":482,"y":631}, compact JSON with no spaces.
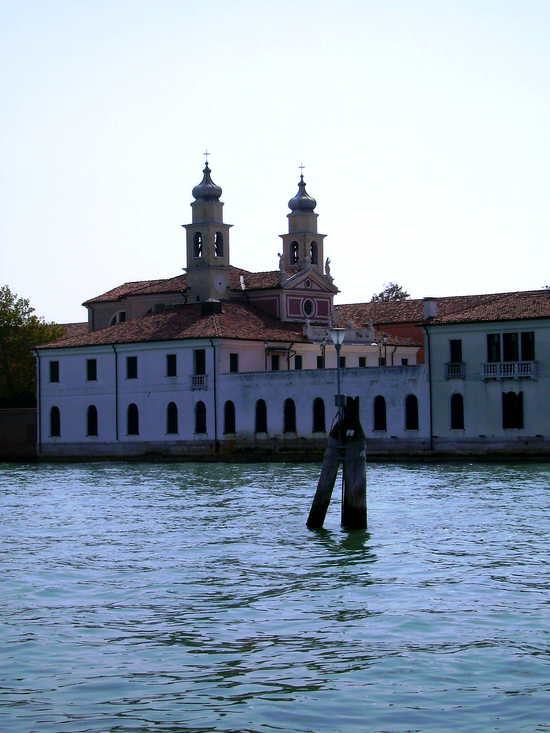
{"x":309,"y":279}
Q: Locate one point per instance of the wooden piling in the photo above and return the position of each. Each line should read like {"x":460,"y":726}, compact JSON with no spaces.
{"x":347,"y":445}
{"x":327,"y":479}
{"x":354,"y":496}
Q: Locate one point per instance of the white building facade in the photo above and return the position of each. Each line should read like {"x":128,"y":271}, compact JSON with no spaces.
{"x":147,"y":411}
{"x":490,"y":384}
{"x":225,"y":362}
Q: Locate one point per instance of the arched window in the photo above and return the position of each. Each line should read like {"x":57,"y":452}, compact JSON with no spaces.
{"x":197,"y":245}
{"x":512,"y":410}
{"x":218,"y":244}
{"x":313,"y":253}
{"x":132,"y":420}
{"x":91,"y":420}
{"x":55,"y":422}
{"x":457,"y":412}
{"x":411,"y":412}
{"x":289,"y":416}
{"x":229,"y":417}
{"x":261,"y":417}
{"x":380,"y":422}
{"x":200,"y":418}
{"x":172,"y":418}
{"x":293,"y":253}
{"x":318,"y":415}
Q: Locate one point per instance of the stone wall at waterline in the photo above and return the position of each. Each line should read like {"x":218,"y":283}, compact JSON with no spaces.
{"x":17,"y":433}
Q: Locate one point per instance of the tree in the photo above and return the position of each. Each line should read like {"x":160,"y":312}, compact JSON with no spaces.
{"x":20,"y":332}
{"x":391,"y":292}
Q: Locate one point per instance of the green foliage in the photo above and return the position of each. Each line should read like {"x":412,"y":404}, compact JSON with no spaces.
{"x":391,"y":292}
{"x":20,"y":332}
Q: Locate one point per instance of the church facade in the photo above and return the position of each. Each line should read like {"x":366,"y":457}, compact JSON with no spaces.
{"x":224,"y":361}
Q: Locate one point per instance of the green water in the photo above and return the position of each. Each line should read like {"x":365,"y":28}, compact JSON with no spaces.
{"x":192,"y":598}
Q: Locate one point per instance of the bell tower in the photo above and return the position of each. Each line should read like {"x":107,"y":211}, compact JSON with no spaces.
{"x":207,"y":243}
{"x":303,"y":245}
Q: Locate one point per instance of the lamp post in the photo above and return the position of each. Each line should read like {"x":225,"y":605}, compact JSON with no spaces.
{"x":337,"y":335}
{"x":383,"y":343}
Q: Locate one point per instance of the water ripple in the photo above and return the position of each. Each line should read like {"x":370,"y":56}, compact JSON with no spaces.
{"x":192,"y":598}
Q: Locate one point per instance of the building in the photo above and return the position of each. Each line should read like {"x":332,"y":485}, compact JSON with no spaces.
{"x":490,"y":375}
{"x":224,"y":361}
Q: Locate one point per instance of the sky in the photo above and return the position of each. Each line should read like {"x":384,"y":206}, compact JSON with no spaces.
{"x":423,"y":128}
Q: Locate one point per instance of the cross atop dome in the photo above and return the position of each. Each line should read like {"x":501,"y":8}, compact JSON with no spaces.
{"x":302,"y":201}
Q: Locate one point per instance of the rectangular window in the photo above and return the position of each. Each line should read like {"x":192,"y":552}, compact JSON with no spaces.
{"x":493,"y":347}
{"x":404,"y":362}
{"x":171,"y":365}
{"x":274,"y":362}
{"x":342,"y":362}
{"x":233,"y":363}
{"x":298,"y":361}
{"x":131,"y":367}
{"x":122,"y":317}
{"x":199,"y":361}
{"x":512,"y":410}
{"x":320,"y":362}
{"x":91,"y":370}
{"x":510,"y":347}
{"x":455,"y":350}
{"x":362,"y":361}
{"x":54,"y":371}
{"x":528,"y":346}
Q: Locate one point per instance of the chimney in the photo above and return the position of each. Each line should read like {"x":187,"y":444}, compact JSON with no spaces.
{"x":210,"y":307}
{"x":430,"y":308}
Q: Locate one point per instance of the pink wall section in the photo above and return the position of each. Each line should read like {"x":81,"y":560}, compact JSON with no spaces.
{"x":294,"y":307}
{"x":323,"y":307}
{"x":268,"y":304}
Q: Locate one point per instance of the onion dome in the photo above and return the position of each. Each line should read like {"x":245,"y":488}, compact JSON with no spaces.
{"x":207,"y":189}
{"x":302,"y":201}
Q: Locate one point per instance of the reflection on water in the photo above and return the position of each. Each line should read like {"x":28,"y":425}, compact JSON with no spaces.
{"x":193,"y":598}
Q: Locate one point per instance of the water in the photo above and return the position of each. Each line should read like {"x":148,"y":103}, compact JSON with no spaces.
{"x":192,"y":598}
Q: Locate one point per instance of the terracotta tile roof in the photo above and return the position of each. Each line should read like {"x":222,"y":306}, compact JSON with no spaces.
{"x":178,"y":284}
{"x":74,"y":329}
{"x":271,"y":279}
{"x":414,"y":338}
{"x":236,"y":321}
{"x":361,"y":314}
{"x":138,"y":286}
{"x":261,"y":280}
{"x":451,"y":309}
{"x":170,"y":285}
{"x":502,"y":307}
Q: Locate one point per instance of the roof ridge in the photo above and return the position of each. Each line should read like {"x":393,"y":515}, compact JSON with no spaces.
{"x":534,"y":291}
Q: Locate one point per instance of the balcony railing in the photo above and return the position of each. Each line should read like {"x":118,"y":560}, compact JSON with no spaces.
{"x":509,"y":370}
{"x":199,"y":381}
{"x":456,"y":370}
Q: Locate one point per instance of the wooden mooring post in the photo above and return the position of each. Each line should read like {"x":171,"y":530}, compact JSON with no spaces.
{"x":347,"y":446}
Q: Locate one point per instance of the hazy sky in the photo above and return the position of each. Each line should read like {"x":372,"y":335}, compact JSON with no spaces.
{"x":424,"y":128}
